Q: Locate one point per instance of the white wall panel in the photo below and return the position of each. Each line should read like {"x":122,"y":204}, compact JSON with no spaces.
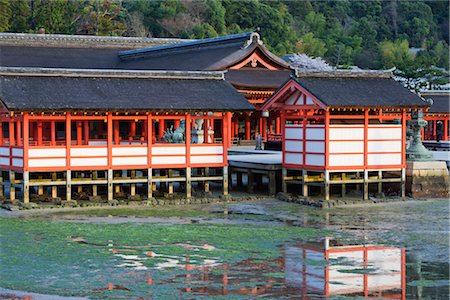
{"x":17,"y":152}
{"x":294,"y":146}
{"x":309,"y":100}
{"x":4,"y":151}
{"x":388,"y":260}
{"x":378,"y":281}
{"x":50,"y":152}
{"x":206,"y":159}
{"x":52,"y":162}
{"x":95,"y":161}
{"x":350,"y":133}
{"x":4,"y":161}
{"x":129,"y":151}
{"x":346,"y":147}
{"x":315,"y":160}
{"x":378,"y":133}
{"x":346,"y":160}
{"x":129,"y":161}
{"x":206,"y":150}
{"x":384,"y":159}
{"x":17,"y":162}
{"x":293,"y":158}
{"x":314,"y":133}
{"x":294,"y":133}
{"x":385,"y":146}
{"x":168,"y":150}
{"x":168,"y":160}
{"x":94,"y":151}
{"x":318,"y":147}
{"x":292,"y":98}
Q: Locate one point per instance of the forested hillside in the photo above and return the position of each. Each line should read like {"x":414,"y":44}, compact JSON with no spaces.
{"x":369,"y":34}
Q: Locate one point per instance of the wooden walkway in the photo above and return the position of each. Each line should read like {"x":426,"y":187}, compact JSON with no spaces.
{"x":255,"y":164}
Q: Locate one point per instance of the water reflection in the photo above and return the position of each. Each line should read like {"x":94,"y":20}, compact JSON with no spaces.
{"x":330,"y":268}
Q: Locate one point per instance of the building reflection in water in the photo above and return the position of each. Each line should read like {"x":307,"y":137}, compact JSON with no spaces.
{"x":330,"y":269}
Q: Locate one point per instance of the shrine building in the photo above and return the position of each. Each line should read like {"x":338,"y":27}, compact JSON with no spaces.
{"x":342,"y":130}
{"x":438,"y":116}
{"x":251,"y":68}
{"x":113,"y":131}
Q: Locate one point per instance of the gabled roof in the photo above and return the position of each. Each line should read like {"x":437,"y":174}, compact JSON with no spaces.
{"x":258,"y":78}
{"x":208,"y":54}
{"x":352,"y":89}
{"x":69,"y":51}
{"x":25,"y":89}
{"x":441,"y":101}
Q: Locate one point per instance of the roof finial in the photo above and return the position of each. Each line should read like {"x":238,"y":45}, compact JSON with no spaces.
{"x":254,"y":38}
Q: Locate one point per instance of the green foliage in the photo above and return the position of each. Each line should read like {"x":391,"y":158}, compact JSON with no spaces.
{"x":5,"y":12}
{"x":343,"y":32}
{"x":395,"y":54}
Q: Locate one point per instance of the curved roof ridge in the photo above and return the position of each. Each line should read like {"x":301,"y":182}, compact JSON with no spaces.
{"x":345,"y":73}
{"x":110,"y":73}
{"x":86,"y":40}
{"x":137,"y":53}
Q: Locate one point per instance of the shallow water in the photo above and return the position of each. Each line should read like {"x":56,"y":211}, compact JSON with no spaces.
{"x":267,"y":249}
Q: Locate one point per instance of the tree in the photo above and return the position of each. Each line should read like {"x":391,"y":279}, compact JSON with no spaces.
{"x":5,"y":15}
{"x":20,"y":16}
{"x":395,"y":53}
{"x":310,"y":45}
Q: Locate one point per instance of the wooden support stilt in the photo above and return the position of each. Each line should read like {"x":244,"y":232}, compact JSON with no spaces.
{"x":54,"y":187}
{"x":94,"y":186}
{"x":403,"y":183}
{"x":133,"y":185}
{"x":40,"y":188}
{"x":68,"y":185}
{"x":110,"y":185}
{"x":188,"y":183}
{"x":283,"y":180}
{"x":380,"y":184}
{"x":80,"y":189}
{"x":12,"y":189}
{"x":343,"y":186}
{"x":170,"y":184}
{"x":225,"y":180}
{"x":250,"y":181}
{"x":366,"y":185}
{"x":26,"y":187}
{"x":206,"y":181}
{"x":1,"y":182}
{"x":305,"y":183}
{"x":272,"y":183}
{"x":150,"y":184}
{"x":326,"y":186}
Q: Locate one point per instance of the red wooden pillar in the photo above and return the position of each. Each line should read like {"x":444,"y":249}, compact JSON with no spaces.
{"x":1,"y":133}
{"x":52,"y":133}
{"x":445,"y":135}
{"x":132,"y":132}
{"x":434,"y":129}
{"x":271,"y":125}
{"x":86,"y":132}
{"x":264,"y":128}
{"x":236,"y":126}
{"x":19,"y":132}
{"x":277,"y":125}
{"x":79,"y":133}
{"x":161,"y":128}
{"x":116,"y":132}
{"x":247,"y":127}
{"x":233,"y":124}
{"x":26,"y":133}
{"x":176,"y":124}
{"x":39,"y":133}
{"x":260,"y":125}
{"x":205,"y":130}
{"x":68,"y":138}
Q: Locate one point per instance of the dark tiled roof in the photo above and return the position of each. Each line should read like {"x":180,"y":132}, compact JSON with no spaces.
{"x":208,"y":54}
{"x":441,"y":101}
{"x":360,"y":91}
{"x":58,"y":57}
{"x":257,"y":78}
{"x":82,"y":92}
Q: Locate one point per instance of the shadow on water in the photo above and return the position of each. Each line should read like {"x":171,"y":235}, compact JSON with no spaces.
{"x":398,"y":251}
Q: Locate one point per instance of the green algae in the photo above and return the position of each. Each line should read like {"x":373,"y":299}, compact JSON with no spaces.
{"x":78,"y":259}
